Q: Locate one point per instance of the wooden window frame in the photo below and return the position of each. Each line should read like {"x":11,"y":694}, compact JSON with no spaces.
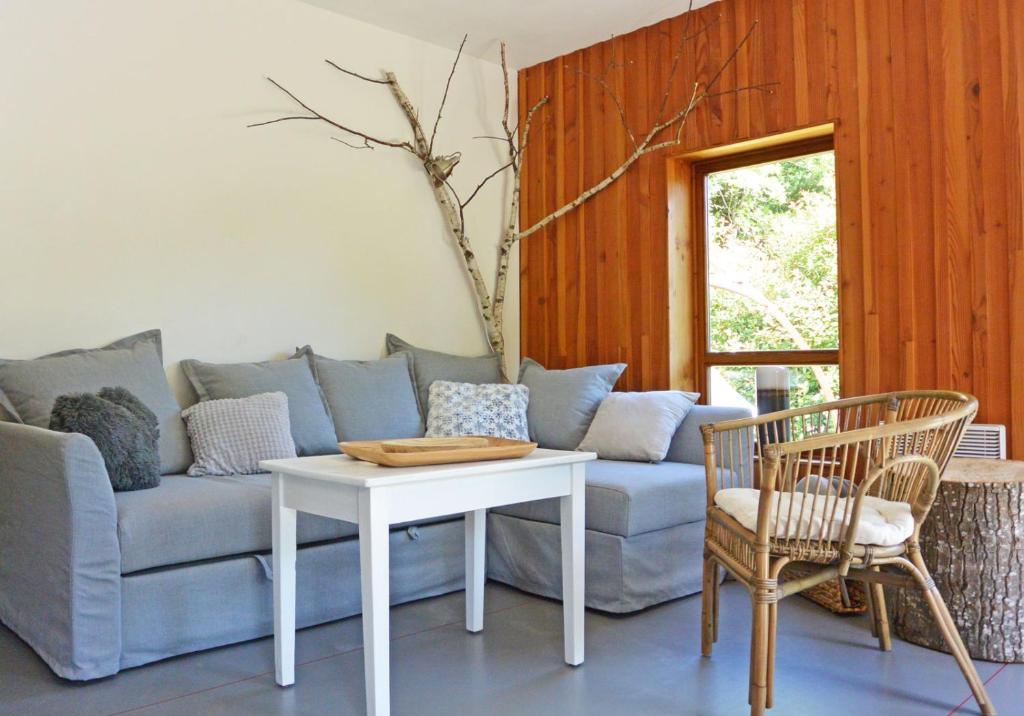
{"x":704,"y":358}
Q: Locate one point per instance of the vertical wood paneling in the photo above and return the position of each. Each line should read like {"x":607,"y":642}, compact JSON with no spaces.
{"x":928,"y":109}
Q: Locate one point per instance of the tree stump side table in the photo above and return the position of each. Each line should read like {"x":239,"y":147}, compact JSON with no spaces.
{"x":973,"y":544}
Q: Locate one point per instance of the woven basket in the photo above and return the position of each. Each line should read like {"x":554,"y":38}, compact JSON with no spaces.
{"x":828,"y":594}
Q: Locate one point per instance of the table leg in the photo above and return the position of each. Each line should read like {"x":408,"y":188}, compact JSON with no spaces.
{"x":374,"y":570}
{"x":284,"y":585}
{"x":476,"y":549}
{"x":573,"y":536}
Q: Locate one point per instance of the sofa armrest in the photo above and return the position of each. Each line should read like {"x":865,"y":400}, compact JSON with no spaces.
{"x":60,"y":561}
{"x":688,"y":444}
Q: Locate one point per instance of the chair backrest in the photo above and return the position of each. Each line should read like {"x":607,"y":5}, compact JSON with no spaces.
{"x":827,"y":457}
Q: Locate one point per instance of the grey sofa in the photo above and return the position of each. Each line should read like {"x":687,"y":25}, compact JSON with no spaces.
{"x":97,"y":581}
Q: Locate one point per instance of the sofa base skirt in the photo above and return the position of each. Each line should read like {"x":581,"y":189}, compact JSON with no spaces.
{"x":623,"y":574}
{"x":198,"y":606}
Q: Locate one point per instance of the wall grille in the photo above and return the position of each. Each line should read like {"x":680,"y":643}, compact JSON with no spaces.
{"x":985,"y":441}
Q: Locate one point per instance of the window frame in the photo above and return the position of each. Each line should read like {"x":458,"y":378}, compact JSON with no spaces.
{"x":704,"y":358}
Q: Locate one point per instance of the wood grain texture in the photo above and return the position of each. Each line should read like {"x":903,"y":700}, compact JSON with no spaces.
{"x":927,"y":99}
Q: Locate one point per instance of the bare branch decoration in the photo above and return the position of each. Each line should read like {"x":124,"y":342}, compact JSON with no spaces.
{"x":438,"y":168}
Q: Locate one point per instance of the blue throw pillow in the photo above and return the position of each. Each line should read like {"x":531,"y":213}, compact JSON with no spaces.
{"x":563,"y":402}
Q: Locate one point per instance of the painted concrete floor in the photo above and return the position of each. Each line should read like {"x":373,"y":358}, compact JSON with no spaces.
{"x":645,"y":663}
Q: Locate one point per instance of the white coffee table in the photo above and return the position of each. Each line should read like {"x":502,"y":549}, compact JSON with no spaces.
{"x":377,"y":497}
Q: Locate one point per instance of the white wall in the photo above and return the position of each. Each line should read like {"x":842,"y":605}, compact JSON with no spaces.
{"x":132,"y":195}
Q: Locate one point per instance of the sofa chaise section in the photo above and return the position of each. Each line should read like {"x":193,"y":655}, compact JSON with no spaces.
{"x":645,"y":528}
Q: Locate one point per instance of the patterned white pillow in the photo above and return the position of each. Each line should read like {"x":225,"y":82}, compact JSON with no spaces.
{"x":498,"y":410}
{"x":230,"y":436}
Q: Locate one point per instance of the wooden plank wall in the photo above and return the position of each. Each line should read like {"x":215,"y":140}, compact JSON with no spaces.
{"x":928,"y":104}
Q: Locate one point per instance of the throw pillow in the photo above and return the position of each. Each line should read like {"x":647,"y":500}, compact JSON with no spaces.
{"x":563,"y":402}
{"x":636,"y":426}
{"x":311,"y":424}
{"x":123,"y":429}
{"x":231,"y":435}
{"x":428,"y":366}
{"x":468,"y":409}
{"x":28,"y":388}
{"x":370,"y":399}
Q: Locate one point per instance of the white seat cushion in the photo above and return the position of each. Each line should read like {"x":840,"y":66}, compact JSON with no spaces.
{"x":882,"y":522}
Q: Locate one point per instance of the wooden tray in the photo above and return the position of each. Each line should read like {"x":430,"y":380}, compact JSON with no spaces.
{"x":497,"y":449}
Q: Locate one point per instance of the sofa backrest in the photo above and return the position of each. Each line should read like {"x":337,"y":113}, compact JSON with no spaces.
{"x":687,"y":444}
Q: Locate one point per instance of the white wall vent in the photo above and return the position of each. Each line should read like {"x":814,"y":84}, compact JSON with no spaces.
{"x":986,"y":441}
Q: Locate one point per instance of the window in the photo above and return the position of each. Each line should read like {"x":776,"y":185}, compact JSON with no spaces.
{"x":767,"y":281}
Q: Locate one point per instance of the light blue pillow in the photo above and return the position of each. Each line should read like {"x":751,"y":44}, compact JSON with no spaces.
{"x":563,"y":402}
{"x":28,"y":388}
{"x":371,"y":399}
{"x":312,"y":428}
{"x":428,"y":366}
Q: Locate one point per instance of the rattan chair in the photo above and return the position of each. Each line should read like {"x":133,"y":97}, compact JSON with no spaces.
{"x":812,"y":485}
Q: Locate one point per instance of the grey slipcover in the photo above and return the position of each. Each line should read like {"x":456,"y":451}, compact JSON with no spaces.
{"x":312,"y":428}
{"x":60,"y":581}
{"x":371,"y":399}
{"x":28,"y":388}
{"x":428,"y":366}
{"x":563,"y":402}
{"x":167,"y":612}
{"x":630,"y":498}
{"x":187,"y":519}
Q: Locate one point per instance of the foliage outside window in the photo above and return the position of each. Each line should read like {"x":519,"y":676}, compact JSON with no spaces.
{"x":772,"y":276}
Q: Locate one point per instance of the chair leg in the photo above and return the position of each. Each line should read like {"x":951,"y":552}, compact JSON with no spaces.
{"x":880,"y":615}
{"x":759,"y":659}
{"x":871,"y":608}
{"x":773,"y":625}
{"x":951,"y":635}
{"x":717,"y":586}
{"x":709,"y":606}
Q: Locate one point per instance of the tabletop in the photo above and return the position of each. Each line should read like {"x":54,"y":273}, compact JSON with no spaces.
{"x":345,"y":470}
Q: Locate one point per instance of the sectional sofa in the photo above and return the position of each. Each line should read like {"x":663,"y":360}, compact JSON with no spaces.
{"x":97,"y":581}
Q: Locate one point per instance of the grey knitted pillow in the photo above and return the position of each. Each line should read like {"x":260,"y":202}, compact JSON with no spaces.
{"x":124,"y":430}
{"x":231,"y":435}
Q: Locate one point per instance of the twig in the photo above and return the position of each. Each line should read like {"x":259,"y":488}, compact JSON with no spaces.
{"x":356,"y":74}
{"x":615,"y":98}
{"x":486,"y":179}
{"x":364,"y":145}
{"x":316,"y":115}
{"x":444,"y":97}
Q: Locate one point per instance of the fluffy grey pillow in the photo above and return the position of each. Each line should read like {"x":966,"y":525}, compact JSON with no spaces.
{"x":637,"y":426}
{"x":230,"y":436}
{"x":563,"y":402}
{"x":428,"y":366}
{"x":468,"y":409}
{"x":124,"y":430}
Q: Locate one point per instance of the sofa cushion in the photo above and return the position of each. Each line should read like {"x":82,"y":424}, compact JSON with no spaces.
{"x":28,"y":388}
{"x":428,"y":366}
{"x":370,"y":399}
{"x":563,"y":402}
{"x":187,"y":519}
{"x":311,"y":423}
{"x":630,"y":498}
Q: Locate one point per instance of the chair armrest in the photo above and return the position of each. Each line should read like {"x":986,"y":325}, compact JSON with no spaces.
{"x":688,"y":444}
{"x":60,"y":561}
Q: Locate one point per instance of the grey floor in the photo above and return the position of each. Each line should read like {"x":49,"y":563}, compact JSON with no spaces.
{"x":646,"y":663}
